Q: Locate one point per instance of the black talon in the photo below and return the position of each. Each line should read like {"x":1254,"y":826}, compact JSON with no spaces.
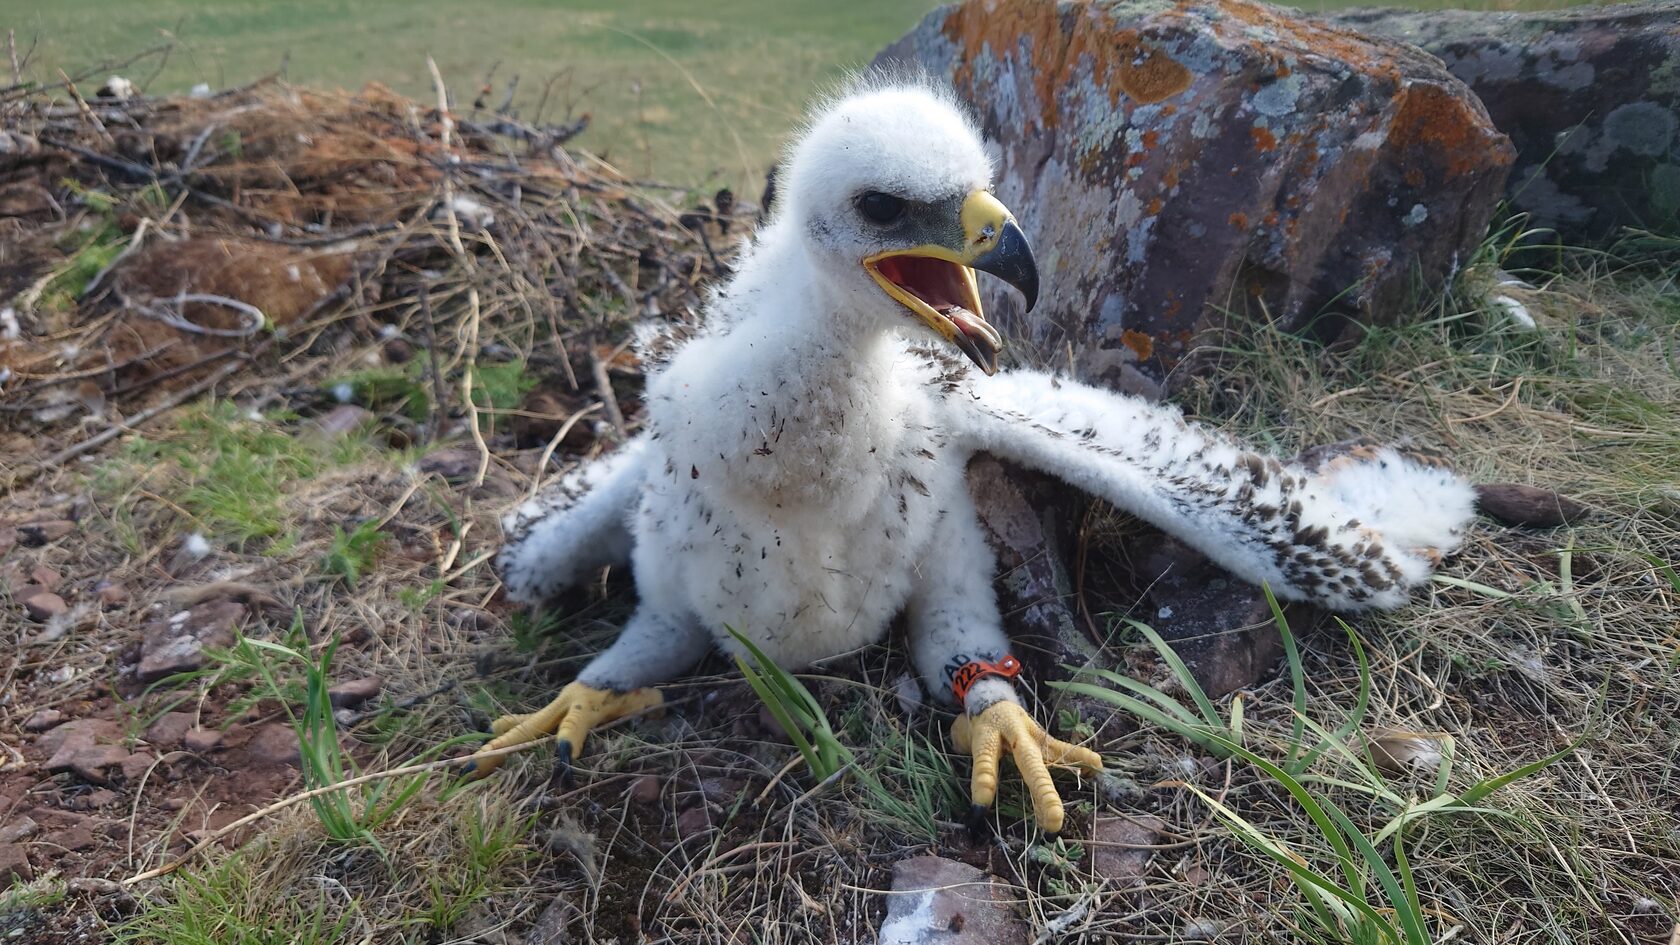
{"x":977,"y":823}
{"x":563,"y":766}
{"x":466,"y":769}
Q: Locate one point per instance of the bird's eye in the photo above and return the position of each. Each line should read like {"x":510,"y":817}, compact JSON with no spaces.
{"x":880,"y":208}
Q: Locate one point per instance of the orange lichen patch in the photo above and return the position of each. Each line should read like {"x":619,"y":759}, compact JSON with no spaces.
{"x":1152,"y":75}
{"x":1433,"y":118}
{"x":1239,"y":220}
{"x":1151,"y":138}
{"x":1121,"y":61}
{"x":1270,"y":219}
{"x":1141,"y":344}
{"x":1306,"y":36}
{"x":1264,"y":140}
{"x":1170,"y":178}
{"x":1155,"y":206}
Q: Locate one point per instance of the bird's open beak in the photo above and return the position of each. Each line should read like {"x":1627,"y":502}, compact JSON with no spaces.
{"x":936,"y":281}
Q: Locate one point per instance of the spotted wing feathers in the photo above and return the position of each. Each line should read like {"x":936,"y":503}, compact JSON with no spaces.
{"x":1361,"y":531}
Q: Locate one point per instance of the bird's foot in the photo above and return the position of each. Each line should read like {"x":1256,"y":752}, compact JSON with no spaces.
{"x":1005,"y":726}
{"x":577,"y":709}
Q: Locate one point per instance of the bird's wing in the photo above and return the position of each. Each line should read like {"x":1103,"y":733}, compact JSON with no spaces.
{"x":1360,"y":532}
{"x":575,"y":526}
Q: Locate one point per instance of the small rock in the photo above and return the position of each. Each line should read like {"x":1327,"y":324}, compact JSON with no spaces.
{"x":276,"y":744}
{"x":14,"y":865}
{"x":43,"y":720}
{"x":135,"y":766}
{"x":348,"y":695}
{"x":1516,"y":504}
{"x":456,"y":464}
{"x":343,"y":420}
{"x":175,"y":643}
{"x":71,"y":838}
{"x":1122,"y":847}
{"x":104,"y":797}
{"x":36,"y":534}
{"x":935,"y":901}
{"x":87,"y":761}
{"x":46,"y":577}
{"x":21,"y":829}
{"x":92,"y":731}
{"x":694,"y":822}
{"x":645,"y":789}
{"x":93,"y":887}
{"x":111,"y":593}
{"x":1201,"y":930}
{"x":43,"y":605}
{"x":550,"y":928}
{"x":169,"y":729}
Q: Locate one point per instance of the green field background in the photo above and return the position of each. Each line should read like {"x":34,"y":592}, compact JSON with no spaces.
{"x":696,"y":93}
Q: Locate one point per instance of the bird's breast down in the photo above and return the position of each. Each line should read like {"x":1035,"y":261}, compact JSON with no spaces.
{"x":770,"y":542}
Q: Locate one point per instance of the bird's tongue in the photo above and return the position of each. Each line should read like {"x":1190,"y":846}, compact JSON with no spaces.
{"x":977,"y":339}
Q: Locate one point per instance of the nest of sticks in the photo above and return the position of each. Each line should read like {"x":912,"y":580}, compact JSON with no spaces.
{"x":263,"y":240}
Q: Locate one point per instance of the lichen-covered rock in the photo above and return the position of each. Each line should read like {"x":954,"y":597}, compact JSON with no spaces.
{"x":1171,"y":162}
{"x":1590,"y":97}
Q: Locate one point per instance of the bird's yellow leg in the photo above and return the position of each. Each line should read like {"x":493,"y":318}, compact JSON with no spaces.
{"x":1006,"y":727}
{"x":569,"y":718}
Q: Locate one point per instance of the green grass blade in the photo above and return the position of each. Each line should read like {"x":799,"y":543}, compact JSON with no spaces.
{"x":1166,"y":702}
{"x":1305,"y":876}
{"x":1297,"y":680}
{"x":1204,"y":705}
{"x":1483,"y":788}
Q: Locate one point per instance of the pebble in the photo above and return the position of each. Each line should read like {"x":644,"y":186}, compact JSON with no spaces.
{"x":111,"y":593}
{"x":14,"y":865}
{"x":935,"y":901}
{"x":1121,"y":847}
{"x":36,"y":534}
{"x":275,"y":743}
{"x":175,"y":644}
{"x":43,"y":605}
{"x":170,"y":728}
{"x":645,"y":789}
{"x":43,"y":720}
{"x":343,"y":420}
{"x":21,"y":829}
{"x":71,"y":838}
{"x":694,"y":822}
{"x":348,"y":695}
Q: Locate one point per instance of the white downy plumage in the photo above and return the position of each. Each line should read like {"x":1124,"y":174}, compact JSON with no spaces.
{"x":800,"y":477}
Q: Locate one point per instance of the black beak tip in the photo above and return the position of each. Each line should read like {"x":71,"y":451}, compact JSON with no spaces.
{"x":1012,"y":261}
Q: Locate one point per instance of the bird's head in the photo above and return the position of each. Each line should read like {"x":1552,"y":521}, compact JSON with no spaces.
{"x":890,"y":189}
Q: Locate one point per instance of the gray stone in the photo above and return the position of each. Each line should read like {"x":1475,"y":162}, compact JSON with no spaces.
{"x":343,"y":420}
{"x":354,"y":692}
{"x":275,"y":743}
{"x":169,"y":729}
{"x":43,"y":720}
{"x":1177,"y":162}
{"x":201,"y":739}
{"x":14,"y":865}
{"x":1589,"y":96}
{"x":21,"y":829}
{"x":935,"y":901}
{"x":1122,"y":847}
{"x":175,"y":642}
{"x":42,"y":604}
